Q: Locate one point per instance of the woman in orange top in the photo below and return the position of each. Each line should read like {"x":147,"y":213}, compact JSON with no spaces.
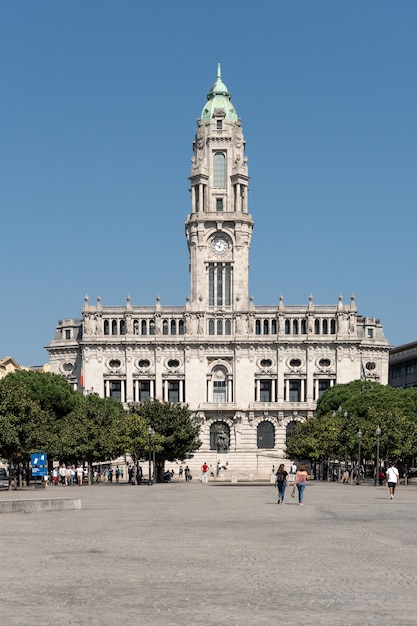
{"x":301,"y":478}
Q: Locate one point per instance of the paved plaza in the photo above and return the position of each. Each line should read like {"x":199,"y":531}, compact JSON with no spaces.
{"x":224,"y":554}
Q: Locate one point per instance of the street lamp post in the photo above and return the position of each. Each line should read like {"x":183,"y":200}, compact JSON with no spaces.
{"x":358,"y":475}
{"x":378,"y":434}
{"x":345,"y":415}
{"x":151,"y":432}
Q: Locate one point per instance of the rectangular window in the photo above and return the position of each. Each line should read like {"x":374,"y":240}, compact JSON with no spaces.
{"x":323,"y":385}
{"x":265,"y":391}
{"x":144,"y":390}
{"x":219,"y":169}
{"x":219,"y":124}
{"x":370,"y":333}
{"x":219,"y":204}
{"x":211,"y":287}
{"x":295,"y":391}
{"x":219,"y":286}
{"x":411,"y":368}
{"x":219,"y":391}
{"x":173,"y":391}
{"x":67,"y":334}
{"x":116,"y":389}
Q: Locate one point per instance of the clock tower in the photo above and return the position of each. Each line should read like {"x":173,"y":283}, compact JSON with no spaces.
{"x":219,"y":229}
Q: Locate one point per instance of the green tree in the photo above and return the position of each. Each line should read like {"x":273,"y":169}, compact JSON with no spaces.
{"x":24,"y":426}
{"x":37,"y":403}
{"x":135,"y":436}
{"x":53,"y":392}
{"x":358,"y":397}
{"x":344,"y":410}
{"x":316,"y":439}
{"x":176,"y":436}
{"x":93,"y":431}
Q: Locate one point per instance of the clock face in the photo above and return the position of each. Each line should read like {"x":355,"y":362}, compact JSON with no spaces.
{"x":219,"y":246}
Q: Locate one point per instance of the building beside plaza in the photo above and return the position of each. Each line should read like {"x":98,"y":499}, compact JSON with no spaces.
{"x":403,"y":366}
{"x":248,"y":373}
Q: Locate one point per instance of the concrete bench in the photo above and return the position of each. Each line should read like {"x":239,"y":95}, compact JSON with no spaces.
{"x":32,"y":506}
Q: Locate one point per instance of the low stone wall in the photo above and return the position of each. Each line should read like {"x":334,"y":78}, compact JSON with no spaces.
{"x":32,"y":506}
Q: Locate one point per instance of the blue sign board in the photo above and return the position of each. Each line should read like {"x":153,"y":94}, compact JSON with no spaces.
{"x":39,"y":464}
{"x":39,"y":460}
{"x":39,"y":471}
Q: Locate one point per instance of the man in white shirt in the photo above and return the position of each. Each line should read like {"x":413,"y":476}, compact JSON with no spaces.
{"x":293,"y":471}
{"x":393,"y":479}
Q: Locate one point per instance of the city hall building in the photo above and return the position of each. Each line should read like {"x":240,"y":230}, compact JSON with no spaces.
{"x":248,"y":373}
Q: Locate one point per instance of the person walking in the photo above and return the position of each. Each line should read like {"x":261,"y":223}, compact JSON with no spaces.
{"x":393,"y":479}
{"x":281,"y":482}
{"x":301,"y":478}
{"x":204,"y":473}
{"x":80,"y":474}
{"x":293,"y":471}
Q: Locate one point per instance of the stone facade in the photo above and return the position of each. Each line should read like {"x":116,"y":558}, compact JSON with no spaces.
{"x":247,"y":372}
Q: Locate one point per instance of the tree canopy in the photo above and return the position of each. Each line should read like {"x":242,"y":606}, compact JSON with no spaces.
{"x":92,"y":431}
{"x":176,"y":436}
{"x":345,"y":410}
{"x":41,"y":412}
{"x":32,"y":404}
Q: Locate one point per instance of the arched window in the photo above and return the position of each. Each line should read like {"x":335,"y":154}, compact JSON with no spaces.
{"x":220,"y":327}
{"x":136,"y":327}
{"x":181,"y":327}
{"x":106,"y":327}
{"x":290,"y":430}
{"x":317,"y":327}
{"x":257,"y":327}
{"x":333,"y":327}
{"x":143,"y":329}
{"x":152,"y":327}
{"x":295,"y":327}
{"x":287,"y":327}
{"x":219,"y":437}
{"x":265,"y":435}
{"x":273,"y":327}
{"x":173,"y":327}
{"x":211,"y":327}
{"x":266,"y":327}
{"x":114,"y":327}
{"x":227,"y":327}
{"x":219,"y":169}
{"x":303,"y":327}
{"x":325,"y":327}
{"x":122,"y":327}
{"x":165,"y":327}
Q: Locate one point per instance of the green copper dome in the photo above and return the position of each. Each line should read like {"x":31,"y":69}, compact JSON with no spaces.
{"x":219,"y":98}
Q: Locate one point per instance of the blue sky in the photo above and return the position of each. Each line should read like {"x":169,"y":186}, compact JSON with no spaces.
{"x":98,"y":113}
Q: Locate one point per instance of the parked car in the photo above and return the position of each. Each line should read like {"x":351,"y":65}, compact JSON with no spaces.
{"x":3,"y":474}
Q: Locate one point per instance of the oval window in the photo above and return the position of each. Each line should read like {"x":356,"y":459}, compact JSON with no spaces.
{"x":114,"y":363}
{"x":371,"y":365}
{"x":144,"y":363}
{"x":173,"y":363}
{"x":295,"y":363}
{"x":68,"y":367}
{"x":266,"y":363}
{"x":324,"y":362}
